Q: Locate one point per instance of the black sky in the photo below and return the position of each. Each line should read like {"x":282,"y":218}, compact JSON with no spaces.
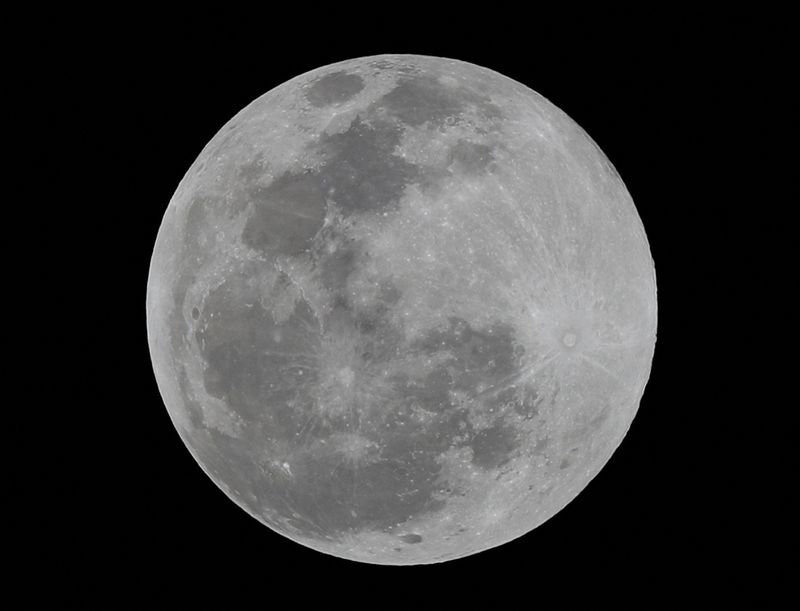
{"x":679,"y":105}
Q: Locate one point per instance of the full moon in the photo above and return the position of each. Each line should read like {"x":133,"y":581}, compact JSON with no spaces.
{"x":401,"y":309}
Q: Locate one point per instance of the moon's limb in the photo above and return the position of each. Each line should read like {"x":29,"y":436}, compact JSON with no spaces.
{"x":401,"y":309}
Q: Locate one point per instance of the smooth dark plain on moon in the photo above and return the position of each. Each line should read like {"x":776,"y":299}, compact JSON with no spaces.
{"x":401,"y":309}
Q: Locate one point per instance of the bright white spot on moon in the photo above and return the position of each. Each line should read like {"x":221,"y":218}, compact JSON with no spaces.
{"x":346,"y":375}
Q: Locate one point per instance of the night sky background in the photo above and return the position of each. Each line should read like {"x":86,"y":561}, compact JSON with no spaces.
{"x":682,"y":105}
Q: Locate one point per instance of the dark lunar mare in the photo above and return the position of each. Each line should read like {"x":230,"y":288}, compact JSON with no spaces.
{"x":424,"y":99}
{"x":361,"y":172}
{"x":260,"y":380}
{"x":334,"y":88}
{"x":471,"y":157}
{"x":286,"y":466}
{"x":270,"y":385}
{"x":261,"y":369}
{"x":479,"y":363}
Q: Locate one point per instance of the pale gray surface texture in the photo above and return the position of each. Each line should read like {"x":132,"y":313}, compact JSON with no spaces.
{"x":401,"y":309}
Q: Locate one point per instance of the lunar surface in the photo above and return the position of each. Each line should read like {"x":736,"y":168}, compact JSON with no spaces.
{"x":401,"y":309}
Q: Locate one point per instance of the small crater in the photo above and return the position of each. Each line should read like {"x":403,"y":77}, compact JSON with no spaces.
{"x":411,"y":538}
{"x":195,"y":313}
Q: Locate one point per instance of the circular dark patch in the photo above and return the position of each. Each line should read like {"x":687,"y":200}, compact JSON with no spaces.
{"x":411,"y":538}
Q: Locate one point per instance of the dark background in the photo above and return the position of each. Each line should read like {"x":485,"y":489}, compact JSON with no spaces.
{"x":681,"y":105}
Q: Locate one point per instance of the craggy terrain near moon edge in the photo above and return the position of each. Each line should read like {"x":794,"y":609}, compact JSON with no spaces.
{"x":401,"y":309}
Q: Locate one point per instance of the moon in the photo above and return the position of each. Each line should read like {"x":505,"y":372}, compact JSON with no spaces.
{"x":401,"y":309}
